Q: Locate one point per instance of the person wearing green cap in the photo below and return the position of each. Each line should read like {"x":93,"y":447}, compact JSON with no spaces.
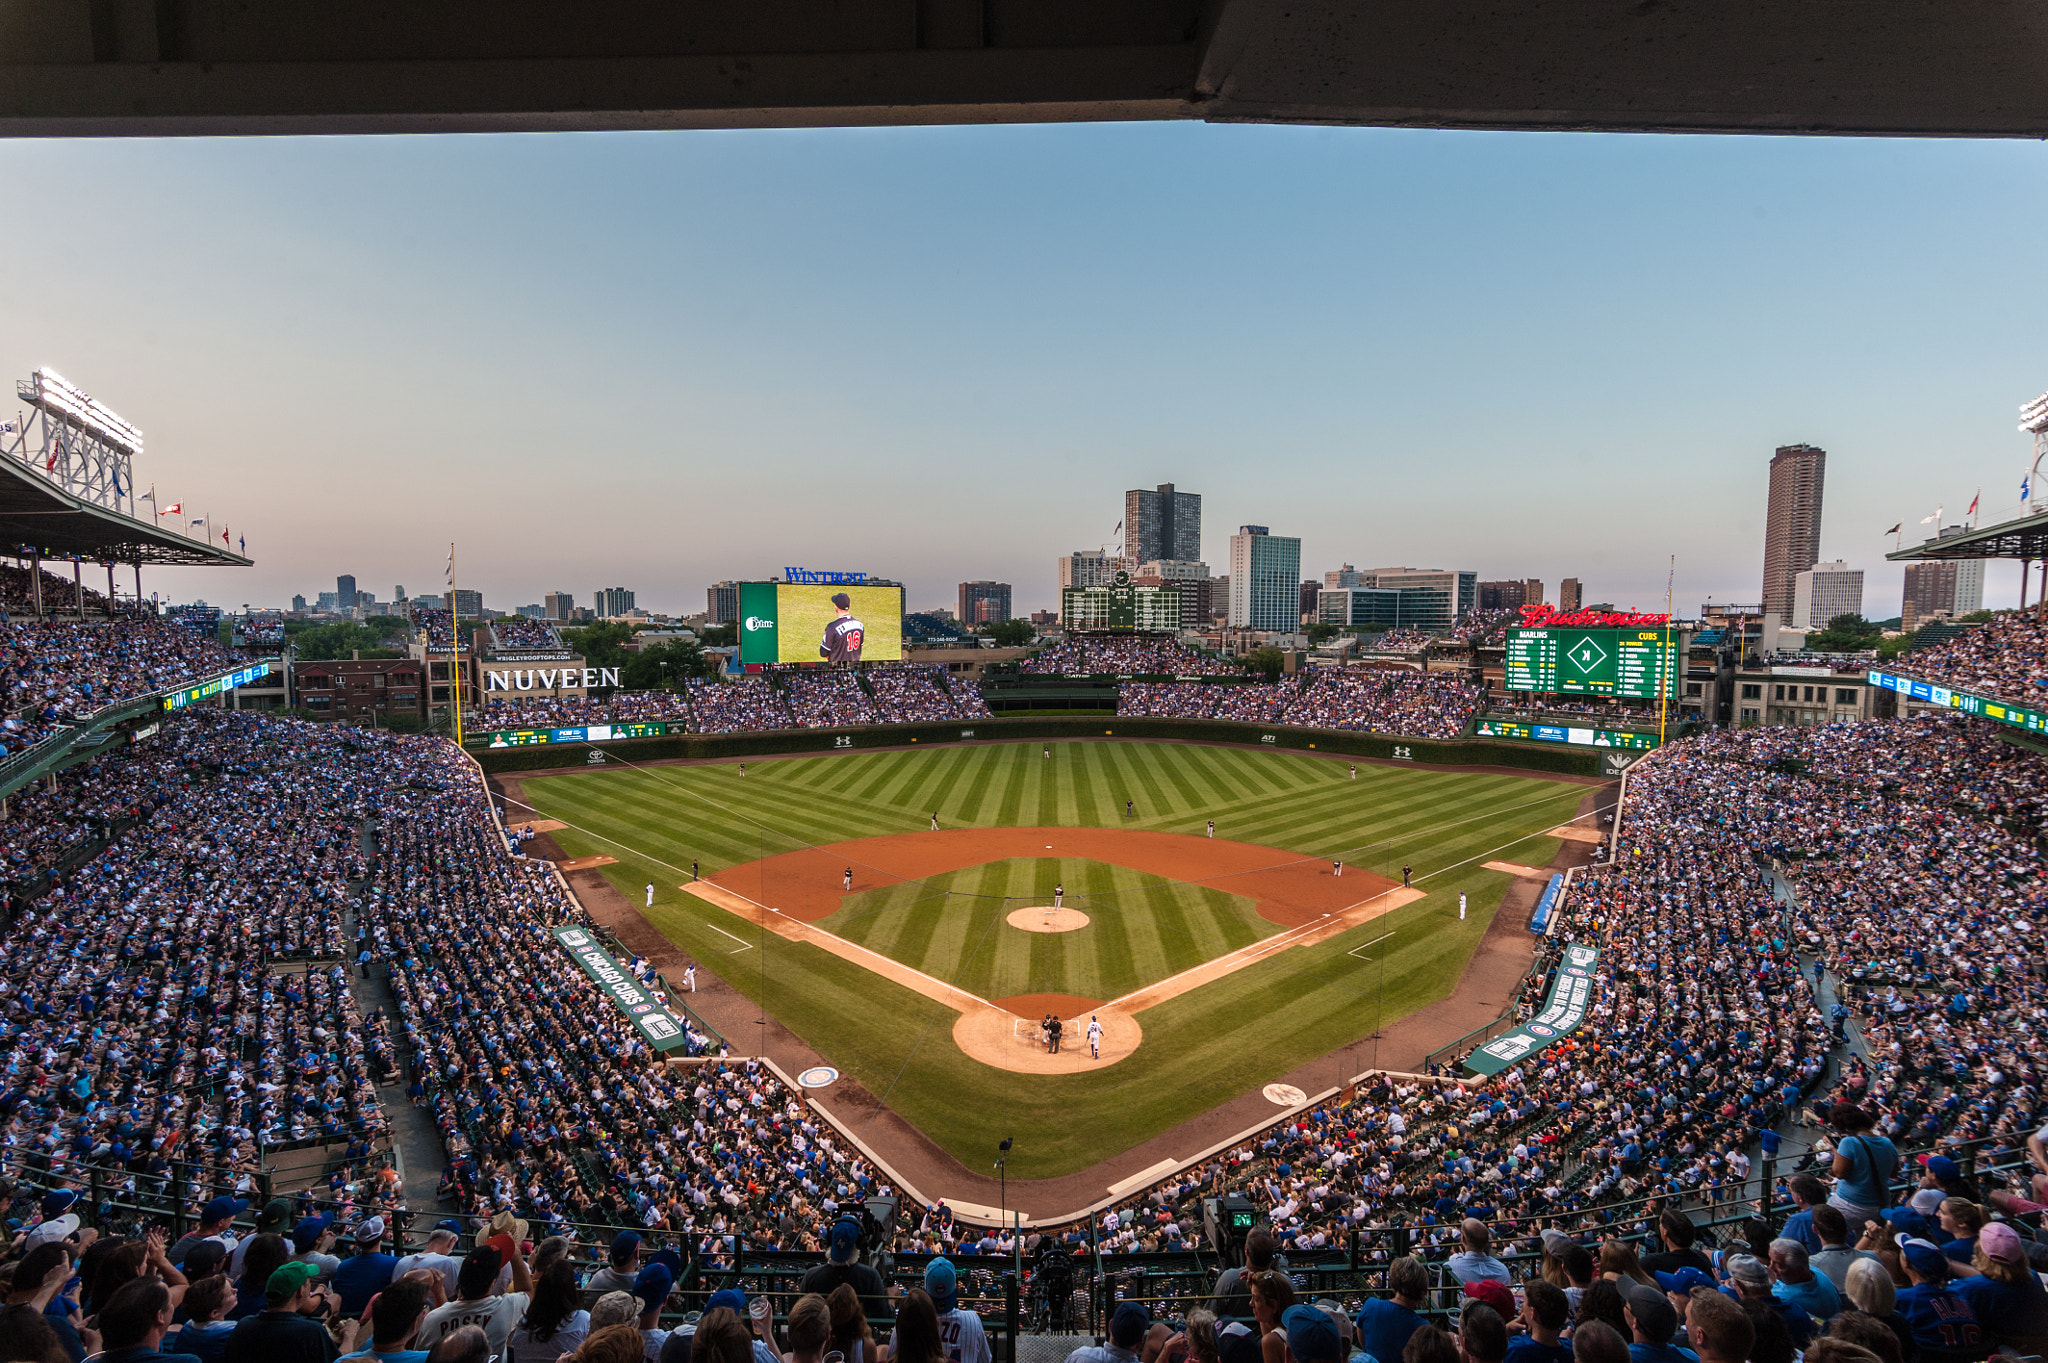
{"x":289,"y":1328}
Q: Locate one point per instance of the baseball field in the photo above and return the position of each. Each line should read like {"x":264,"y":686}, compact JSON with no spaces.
{"x":1217,"y":963}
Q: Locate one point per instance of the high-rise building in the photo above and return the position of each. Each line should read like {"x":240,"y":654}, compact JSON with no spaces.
{"x":1347,"y":576}
{"x":1825,"y":591}
{"x":1930,"y":591}
{"x":345,"y":592}
{"x":994,"y":595}
{"x":1569,"y":595}
{"x":1309,"y":592}
{"x":1265,"y":580}
{"x":1792,"y":522}
{"x":1162,"y":524}
{"x":721,"y":602}
{"x":398,"y":592}
{"x":326,"y":601}
{"x":1510,"y":594}
{"x":298,"y":605}
{"x":1969,"y":575}
{"x":557,"y":606}
{"x":611,"y":601}
{"x":1090,"y":568}
{"x":1443,"y":597}
{"x":467,"y":603}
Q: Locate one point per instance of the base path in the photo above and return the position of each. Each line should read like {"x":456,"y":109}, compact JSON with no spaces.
{"x":1288,"y":888}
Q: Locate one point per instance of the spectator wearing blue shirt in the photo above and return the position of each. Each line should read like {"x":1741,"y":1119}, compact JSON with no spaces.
{"x":1808,"y":1192}
{"x":395,"y":1319}
{"x":1384,"y":1326}
{"x":1793,"y":1280}
{"x":1652,"y":1321}
{"x":1545,"y":1311}
{"x":1961,"y":1223}
{"x":133,"y":1323}
{"x":1942,"y":1322}
{"x":366,"y":1272}
{"x":2004,"y":1294}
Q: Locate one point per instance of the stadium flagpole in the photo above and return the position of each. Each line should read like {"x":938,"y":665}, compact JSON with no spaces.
{"x":1671,"y":678}
{"x":455,"y":644}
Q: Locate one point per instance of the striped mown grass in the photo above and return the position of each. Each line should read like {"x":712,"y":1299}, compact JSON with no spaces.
{"x":1200,"y":1048}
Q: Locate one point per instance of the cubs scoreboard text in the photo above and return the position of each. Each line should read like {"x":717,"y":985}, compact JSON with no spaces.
{"x":1638,"y":663}
{"x":581,"y":733}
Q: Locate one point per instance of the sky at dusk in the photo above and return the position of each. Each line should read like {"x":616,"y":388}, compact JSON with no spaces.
{"x":658,"y":360}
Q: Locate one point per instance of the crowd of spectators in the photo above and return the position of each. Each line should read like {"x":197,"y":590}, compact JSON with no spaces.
{"x":1405,"y":640}
{"x":53,"y":672}
{"x":152,"y":1011}
{"x":434,"y":628}
{"x":540,"y":712}
{"x":1125,"y":654}
{"x":1484,"y":629}
{"x":916,"y":692}
{"x":1387,"y":700}
{"x":1251,"y":702}
{"x":743,"y":705}
{"x":60,"y":594}
{"x":524,"y":631}
{"x":261,"y":629}
{"x":2007,"y":657}
{"x":824,"y":700}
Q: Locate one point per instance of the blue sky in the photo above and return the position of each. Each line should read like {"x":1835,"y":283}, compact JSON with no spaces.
{"x":658,"y":360}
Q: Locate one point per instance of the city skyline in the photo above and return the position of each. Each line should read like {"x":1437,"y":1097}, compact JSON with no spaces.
{"x":790,"y":347}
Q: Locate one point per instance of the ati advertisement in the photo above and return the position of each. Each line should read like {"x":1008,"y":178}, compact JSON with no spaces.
{"x":782,"y":622}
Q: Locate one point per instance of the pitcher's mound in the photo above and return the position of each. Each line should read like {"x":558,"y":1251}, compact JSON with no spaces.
{"x":1047,"y":919}
{"x":998,"y":1037}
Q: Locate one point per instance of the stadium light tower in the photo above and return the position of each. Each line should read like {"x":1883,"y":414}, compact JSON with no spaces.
{"x":74,"y":441}
{"x":2034,"y":420}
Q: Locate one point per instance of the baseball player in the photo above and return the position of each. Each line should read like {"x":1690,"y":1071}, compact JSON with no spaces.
{"x":1354,"y":771}
{"x":650,"y":895}
{"x":693,"y":869}
{"x":1057,"y":892}
{"x":1336,"y":868}
{"x":743,"y":769}
{"x":1048,"y":750}
{"x":1054,"y":1025}
{"x":1129,"y":810}
{"x":1094,"y":1037}
{"x":849,"y":877}
{"x":935,"y":821}
{"x":1212,"y":828}
{"x":690,"y":978}
{"x":843,"y":634}
{"x":1404,"y":875}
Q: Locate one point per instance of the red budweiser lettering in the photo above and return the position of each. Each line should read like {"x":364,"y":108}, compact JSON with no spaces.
{"x":1546,"y":617}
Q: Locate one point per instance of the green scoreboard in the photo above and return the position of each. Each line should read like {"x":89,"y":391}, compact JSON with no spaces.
{"x":1639,"y":663}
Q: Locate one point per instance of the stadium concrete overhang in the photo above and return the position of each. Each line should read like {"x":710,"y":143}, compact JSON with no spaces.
{"x":37,"y":514}
{"x":1975,"y":68}
{"x":2023,"y":538}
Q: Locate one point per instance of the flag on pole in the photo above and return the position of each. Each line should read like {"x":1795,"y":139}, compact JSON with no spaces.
{"x":1973,"y":502}
{"x":8,"y":428}
{"x":1924,"y":520}
{"x":199,"y":520}
{"x":242,"y":541}
{"x":2026,"y":485}
{"x":173,"y":509}
{"x":1896,"y":529}
{"x":223,"y":534}
{"x":451,"y":565}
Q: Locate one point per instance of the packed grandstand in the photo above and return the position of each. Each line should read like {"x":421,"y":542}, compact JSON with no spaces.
{"x":1820,"y":949}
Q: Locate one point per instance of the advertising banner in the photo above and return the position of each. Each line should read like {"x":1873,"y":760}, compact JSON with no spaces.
{"x":656,"y":1024}
{"x":1571,"y":995}
{"x":1998,"y":711}
{"x":178,"y":700}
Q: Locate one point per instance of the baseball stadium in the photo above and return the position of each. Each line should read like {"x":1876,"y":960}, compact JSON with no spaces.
{"x":1117,"y":994}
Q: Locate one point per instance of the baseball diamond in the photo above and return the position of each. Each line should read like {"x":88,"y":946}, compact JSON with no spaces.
{"x":1216,"y":964}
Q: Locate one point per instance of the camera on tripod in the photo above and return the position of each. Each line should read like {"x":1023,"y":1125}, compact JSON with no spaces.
{"x":1226,"y":1221}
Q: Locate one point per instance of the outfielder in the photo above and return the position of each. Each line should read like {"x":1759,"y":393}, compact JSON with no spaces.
{"x":1212,"y":828}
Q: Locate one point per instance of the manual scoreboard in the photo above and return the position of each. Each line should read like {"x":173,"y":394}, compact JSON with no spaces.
{"x":1638,"y":663}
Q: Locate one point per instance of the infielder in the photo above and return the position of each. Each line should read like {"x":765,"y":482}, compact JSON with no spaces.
{"x":849,"y":877}
{"x":1094,"y":1037}
{"x":1336,"y":868}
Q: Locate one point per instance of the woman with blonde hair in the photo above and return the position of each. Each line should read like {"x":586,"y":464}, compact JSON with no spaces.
{"x":1868,"y":1286}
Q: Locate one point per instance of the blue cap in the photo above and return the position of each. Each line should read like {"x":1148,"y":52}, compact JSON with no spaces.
{"x":1685,"y":1280}
{"x":58,"y":1201}
{"x":730,"y":1298}
{"x":451,"y":1225}
{"x":652,"y":1286}
{"x":1924,"y":1258}
{"x":669,"y":1257}
{"x":844,"y":1243}
{"x":307,"y":1233}
{"x":942,"y":1282}
{"x":1906,"y":1220}
{"x":1941,"y":1166}
{"x":223,"y":1209}
{"x":1311,"y":1335}
{"x":624,"y":1243}
{"x":1129,"y":1325}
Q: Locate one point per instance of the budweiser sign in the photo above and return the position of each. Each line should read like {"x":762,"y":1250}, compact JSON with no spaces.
{"x":1547,"y":617}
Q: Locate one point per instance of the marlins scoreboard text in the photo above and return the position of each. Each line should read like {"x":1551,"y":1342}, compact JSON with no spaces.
{"x":1639,"y":663}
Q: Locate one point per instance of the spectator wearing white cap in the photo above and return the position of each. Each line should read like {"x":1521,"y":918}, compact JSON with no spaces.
{"x":364,"y":1273}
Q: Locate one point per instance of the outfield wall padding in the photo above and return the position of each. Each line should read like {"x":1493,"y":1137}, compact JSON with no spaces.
{"x":1464,"y":752}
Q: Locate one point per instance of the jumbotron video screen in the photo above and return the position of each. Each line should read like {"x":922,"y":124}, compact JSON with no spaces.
{"x":791,"y":622}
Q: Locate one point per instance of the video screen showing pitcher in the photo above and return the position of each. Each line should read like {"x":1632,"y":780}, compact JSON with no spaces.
{"x":843,"y":633}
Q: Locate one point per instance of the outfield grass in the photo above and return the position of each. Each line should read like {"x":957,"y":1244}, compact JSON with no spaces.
{"x":1140,"y":929}
{"x":1200,"y":1048}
